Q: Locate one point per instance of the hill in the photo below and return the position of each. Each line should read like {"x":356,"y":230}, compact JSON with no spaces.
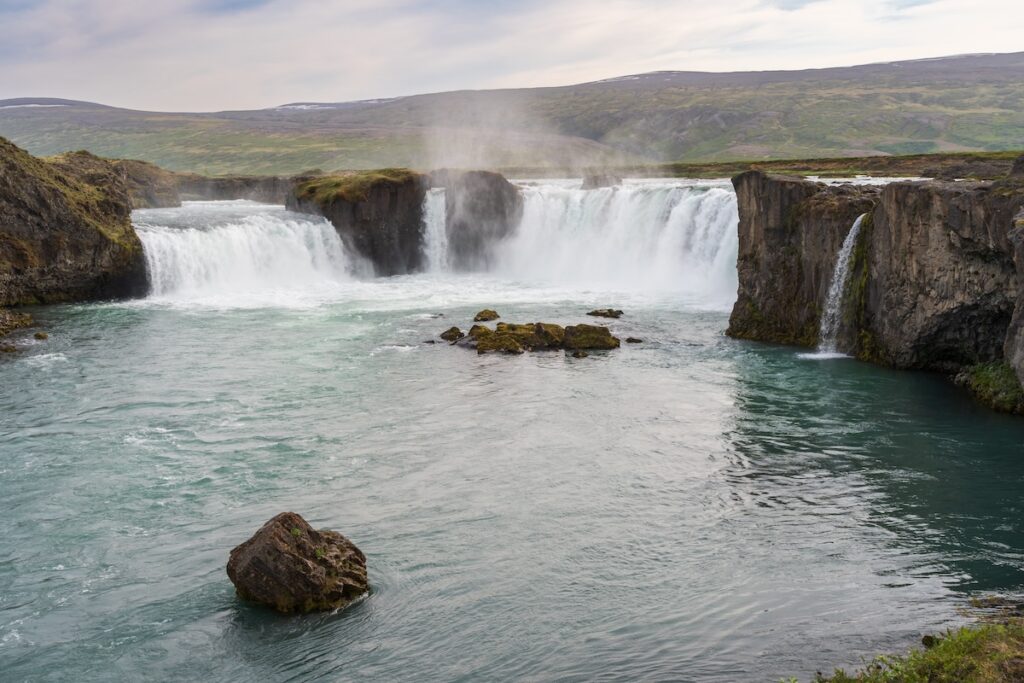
{"x":953,"y":104}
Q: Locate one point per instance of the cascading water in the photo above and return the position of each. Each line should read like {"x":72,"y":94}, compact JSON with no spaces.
{"x":238,"y":250}
{"x":435,"y":233}
{"x":644,"y":235}
{"x":834,"y":302}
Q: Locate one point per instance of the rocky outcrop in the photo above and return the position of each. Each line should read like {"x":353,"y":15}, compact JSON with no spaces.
{"x":482,"y":208}
{"x":291,"y":567}
{"x":149,"y":186}
{"x":513,"y":338}
{"x":941,"y":284}
{"x":65,"y":230}
{"x":1014,"y":347}
{"x":933,"y":282}
{"x":13,"y":320}
{"x":790,"y":231}
{"x":265,"y":189}
{"x":378,"y":214}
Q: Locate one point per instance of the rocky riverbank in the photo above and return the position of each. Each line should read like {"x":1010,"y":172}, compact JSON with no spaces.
{"x":933,"y":280}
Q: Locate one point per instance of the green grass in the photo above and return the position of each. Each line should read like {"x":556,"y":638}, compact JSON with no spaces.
{"x":985,"y":653}
{"x":351,"y":187}
{"x":995,"y":384}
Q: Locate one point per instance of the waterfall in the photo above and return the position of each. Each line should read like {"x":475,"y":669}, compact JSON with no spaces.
{"x":832,"y":316}
{"x":435,"y":233}
{"x":645,"y":235}
{"x":239,"y":250}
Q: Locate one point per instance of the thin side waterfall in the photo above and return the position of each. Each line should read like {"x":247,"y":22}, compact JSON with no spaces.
{"x":830,"y":319}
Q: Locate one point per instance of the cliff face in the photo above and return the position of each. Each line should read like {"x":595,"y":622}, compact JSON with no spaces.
{"x":149,"y":186}
{"x":266,"y":189}
{"x":482,"y":208}
{"x":1014,"y":347}
{"x":942,"y":285}
{"x":933,"y":282}
{"x":378,"y":214}
{"x":65,"y":230}
{"x":790,"y":232}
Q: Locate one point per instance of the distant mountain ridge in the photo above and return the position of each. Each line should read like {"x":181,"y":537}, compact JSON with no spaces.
{"x":959,"y":103}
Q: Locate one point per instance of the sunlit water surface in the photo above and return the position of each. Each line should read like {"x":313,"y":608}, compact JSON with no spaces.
{"x":689,"y":508}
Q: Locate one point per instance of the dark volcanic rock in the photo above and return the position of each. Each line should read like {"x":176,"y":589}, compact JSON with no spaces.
{"x":634,"y":340}
{"x":65,"y":230}
{"x":482,"y":208}
{"x":941,"y":283}
{"x":291,"y":567}
{"x":933,"y":281}
{"x":790,"y":232}
{"x":606,"y":313}
{"x":1013,"y":349}
{"x":378,"y":214}
{"x":486,"y":316}
{"x":1018,"y":167}
{"x":266,"y":189}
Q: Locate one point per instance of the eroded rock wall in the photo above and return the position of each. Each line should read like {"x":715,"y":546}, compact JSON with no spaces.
{"x":482,"y":208}
{"x":65,"y":230}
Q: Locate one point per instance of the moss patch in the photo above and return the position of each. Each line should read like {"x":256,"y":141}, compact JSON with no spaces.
{"x":352,"y":187}
{"x":996,"y":385}
{"x":987,"y":653}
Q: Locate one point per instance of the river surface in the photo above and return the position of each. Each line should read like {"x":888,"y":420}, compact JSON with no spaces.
{"x":692,"y":508}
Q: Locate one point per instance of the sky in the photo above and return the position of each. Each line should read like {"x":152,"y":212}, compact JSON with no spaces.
{"x":210,"y":55}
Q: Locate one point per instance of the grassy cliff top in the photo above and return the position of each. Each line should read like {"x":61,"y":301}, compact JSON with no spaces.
{"x":352,"y":187}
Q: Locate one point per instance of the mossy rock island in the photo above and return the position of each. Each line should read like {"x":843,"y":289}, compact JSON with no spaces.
{"x":515,"y":338}
{"x":378,"y":214}
{"x":606,"y":313}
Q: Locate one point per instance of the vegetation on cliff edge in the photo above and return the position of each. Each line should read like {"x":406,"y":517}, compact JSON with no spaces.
{"x":996,"y":385}
{"x":351,"y":187}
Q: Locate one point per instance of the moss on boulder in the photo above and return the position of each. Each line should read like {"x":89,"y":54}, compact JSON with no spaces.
{"x":501,"y":342}
{"x":452,"y":334}
{"x":589,"y":337}
{"x":486,"y":316}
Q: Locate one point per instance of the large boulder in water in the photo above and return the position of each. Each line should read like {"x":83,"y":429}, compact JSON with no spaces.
{"x":290,"y":566}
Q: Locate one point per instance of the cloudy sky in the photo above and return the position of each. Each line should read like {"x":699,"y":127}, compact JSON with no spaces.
{"x":204,"y":55}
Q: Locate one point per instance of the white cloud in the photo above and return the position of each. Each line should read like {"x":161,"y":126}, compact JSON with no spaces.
{"x":174,"y":55}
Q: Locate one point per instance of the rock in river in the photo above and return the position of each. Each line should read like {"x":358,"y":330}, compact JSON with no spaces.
{"x":606,"y":313}
{"x":486,"y":316}
{"x":291,"y":567}
{"x":578,"y":337}
{"x":452,"y":334}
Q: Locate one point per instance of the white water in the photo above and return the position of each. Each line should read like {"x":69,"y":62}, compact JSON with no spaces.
{"x":830,"y":319}
{"x":641,"y":236}
{"x":435,"y":235}
{"x":670,"y":239}
{"x":233,"y":251}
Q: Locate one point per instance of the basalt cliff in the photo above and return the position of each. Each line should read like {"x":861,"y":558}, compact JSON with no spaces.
{"x":379,"y":214}
{"x":933,"y":281}
{"x":65,"y":230}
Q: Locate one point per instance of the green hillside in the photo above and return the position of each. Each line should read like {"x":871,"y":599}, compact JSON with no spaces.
{"x":955,"y":104}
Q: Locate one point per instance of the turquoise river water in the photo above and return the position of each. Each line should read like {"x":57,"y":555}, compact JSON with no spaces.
{"x":692,"y":508}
